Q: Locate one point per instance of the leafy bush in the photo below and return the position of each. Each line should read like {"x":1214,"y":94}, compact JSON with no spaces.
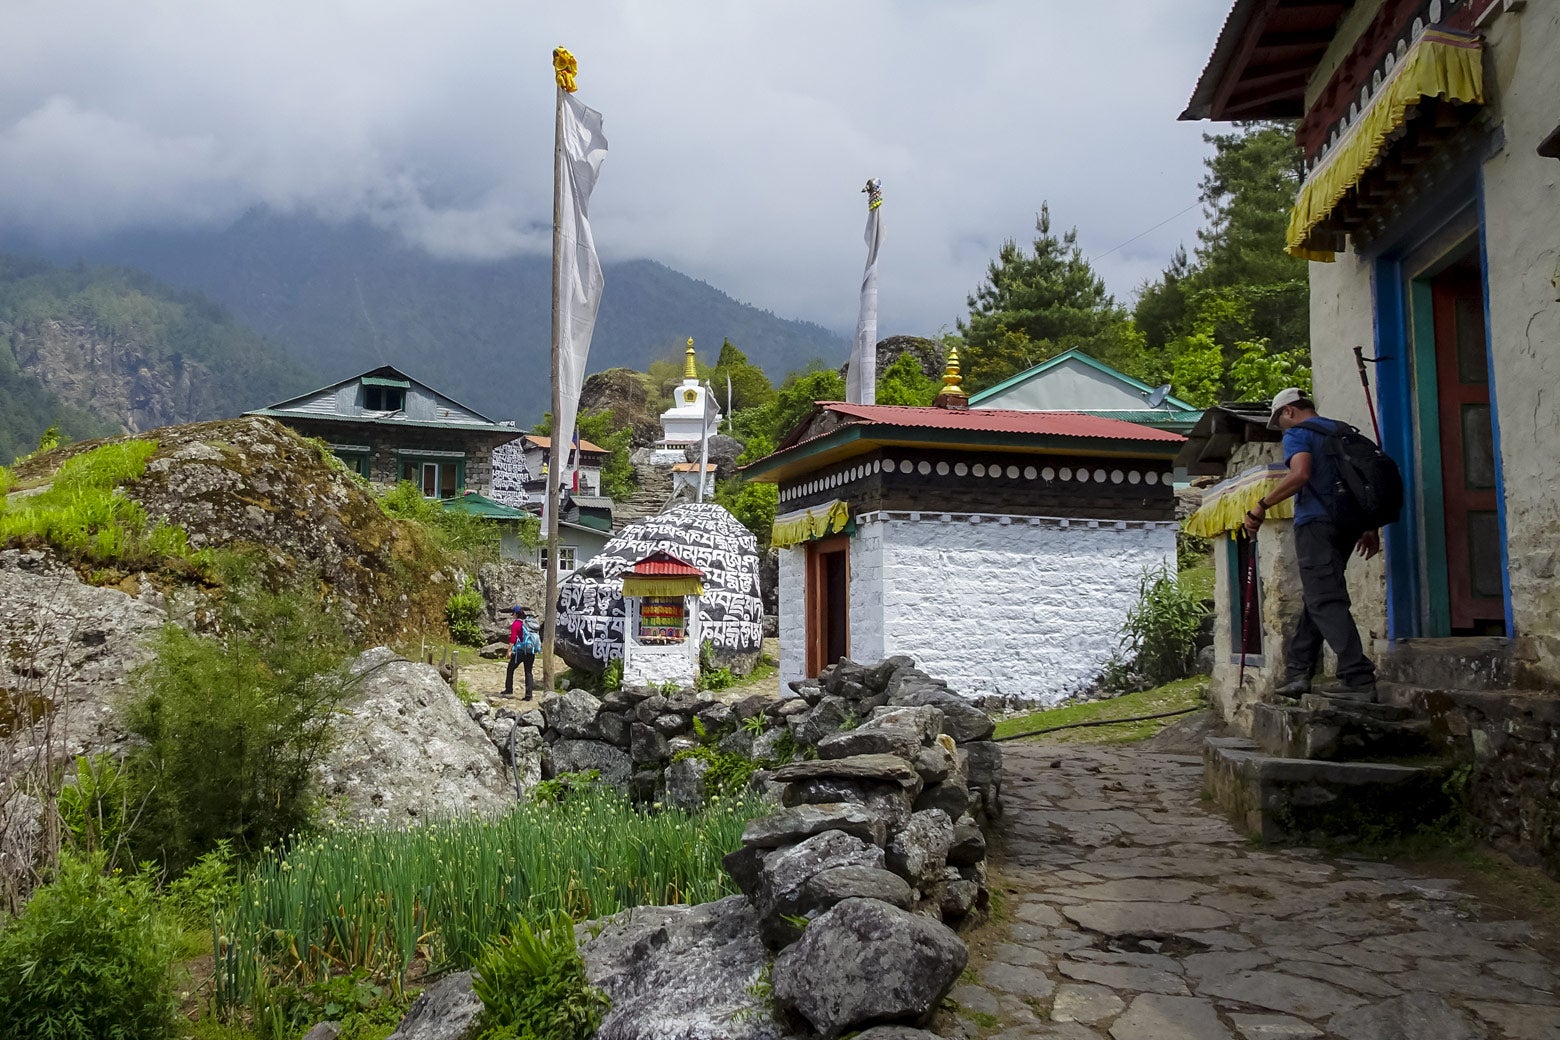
{"x":450,"y":530}
{"x":1192,"y":551}
{"x":88,"y":959}
{"x":95,"y":808}
{"x":533,"y":986}
{"x":551,"y":792}
{"x":233,"y":727}
{"x":729,"y":772}
{"x":612,"y":675}
{"x":1160,"y":633}
{"x":463,"y":613}
{"x":209,"y":885}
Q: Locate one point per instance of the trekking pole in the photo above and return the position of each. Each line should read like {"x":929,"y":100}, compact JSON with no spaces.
{"x":1359,"y":362}
{"x":1248,"y":598}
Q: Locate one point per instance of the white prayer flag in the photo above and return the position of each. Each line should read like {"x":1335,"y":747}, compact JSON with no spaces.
{"x":861,"y":378}
{"x":578,"y":288}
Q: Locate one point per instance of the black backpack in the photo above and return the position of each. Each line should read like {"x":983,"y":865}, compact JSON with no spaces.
{"x":1369,"y":490}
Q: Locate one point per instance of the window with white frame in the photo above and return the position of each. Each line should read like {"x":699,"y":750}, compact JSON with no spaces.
{"x":566,"y":558}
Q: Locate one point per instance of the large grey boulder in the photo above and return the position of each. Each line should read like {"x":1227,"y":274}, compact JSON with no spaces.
{"x":446,"y":1010}
{"x":582,"y":756}
{"x":783,"y":878}
{"x":879,"y":768}
{"x":406,"y":749}
{"x":865,"y":963}
{"x":680,"y":973}
{"x":67,"y":649}
{"x":886,"y":798}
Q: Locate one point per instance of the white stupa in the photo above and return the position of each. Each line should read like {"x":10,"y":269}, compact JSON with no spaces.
{"x":683,"y":423}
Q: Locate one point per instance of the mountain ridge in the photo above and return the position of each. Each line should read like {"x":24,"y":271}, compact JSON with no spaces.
{"x":342,"y":298}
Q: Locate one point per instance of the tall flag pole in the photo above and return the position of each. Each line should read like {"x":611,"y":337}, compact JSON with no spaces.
{"x":861,"y":380}
{"x":578,"y":150}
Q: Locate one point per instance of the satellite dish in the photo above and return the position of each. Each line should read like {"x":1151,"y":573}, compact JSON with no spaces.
{"x":1156,"y":396}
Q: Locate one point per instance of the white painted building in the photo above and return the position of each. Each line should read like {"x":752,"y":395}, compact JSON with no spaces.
{"x":684,"y":422}
{"x":1430,"y":209}
{"x":1001,"y":550}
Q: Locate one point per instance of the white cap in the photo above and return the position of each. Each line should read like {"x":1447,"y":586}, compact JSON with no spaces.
{"x":1285,"y":397}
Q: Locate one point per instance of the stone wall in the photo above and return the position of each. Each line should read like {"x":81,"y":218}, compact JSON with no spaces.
{"x":1279,"y":603}
{"x":793,"y":615}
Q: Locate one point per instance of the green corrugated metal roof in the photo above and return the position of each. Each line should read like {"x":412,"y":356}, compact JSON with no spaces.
{"x":481,"y":505}
{"x":1070,"y":355}
{"x":402,"y":384}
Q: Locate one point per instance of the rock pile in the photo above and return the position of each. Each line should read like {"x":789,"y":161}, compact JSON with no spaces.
{"x":878,"y":844}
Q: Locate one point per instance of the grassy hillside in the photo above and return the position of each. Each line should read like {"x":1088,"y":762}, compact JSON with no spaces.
{"x":349,"y":297}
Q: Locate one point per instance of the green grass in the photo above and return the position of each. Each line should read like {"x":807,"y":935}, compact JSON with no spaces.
{"x":1183,"y":693}
{"x":1198,"y":581}
{"x":86,"y":517}
{"x":377,"y":899}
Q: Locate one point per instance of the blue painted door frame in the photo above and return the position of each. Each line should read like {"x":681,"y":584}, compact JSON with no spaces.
{"x":1409,"y":435}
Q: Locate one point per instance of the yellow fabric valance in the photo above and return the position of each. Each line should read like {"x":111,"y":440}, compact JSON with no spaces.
{"x":808,"y":525}
{"x":634,"y":585}
{"x":1225,"y":504}
{"x":1441,"y":64}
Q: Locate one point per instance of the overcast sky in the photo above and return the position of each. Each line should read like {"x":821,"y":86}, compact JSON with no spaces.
{"x":741,"y":133}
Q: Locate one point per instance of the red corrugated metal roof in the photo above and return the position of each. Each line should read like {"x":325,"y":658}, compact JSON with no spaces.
{"x":1000,"y":420}
{"x":664,"y":565}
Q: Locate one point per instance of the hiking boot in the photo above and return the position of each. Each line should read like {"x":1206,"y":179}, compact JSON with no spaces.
{"x":1364,"y":692}
{"x":1294,"y":689}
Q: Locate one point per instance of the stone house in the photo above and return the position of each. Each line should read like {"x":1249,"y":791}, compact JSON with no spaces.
{"x":999,"y":549}
{"x":1432,"y":217}
{"x":1073,"y":381}
{"x":388,"y":427}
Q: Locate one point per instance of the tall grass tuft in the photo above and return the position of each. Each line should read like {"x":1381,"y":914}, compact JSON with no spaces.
{"x":378,"y":899}
{"x":85,"y":515}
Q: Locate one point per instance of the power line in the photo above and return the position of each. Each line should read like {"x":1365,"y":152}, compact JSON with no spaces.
{"x":1150,"y":231}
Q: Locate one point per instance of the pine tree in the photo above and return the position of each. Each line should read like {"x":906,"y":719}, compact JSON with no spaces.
{"x":1036,"y":305}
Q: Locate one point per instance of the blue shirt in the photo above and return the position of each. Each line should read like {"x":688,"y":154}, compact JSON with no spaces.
{"x":1309,"y":505}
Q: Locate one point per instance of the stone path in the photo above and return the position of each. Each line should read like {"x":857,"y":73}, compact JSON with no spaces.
{"x":1135,"y":913}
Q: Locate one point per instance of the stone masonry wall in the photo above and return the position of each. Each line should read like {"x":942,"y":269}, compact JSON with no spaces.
{"x":1279,"y":603}
{"x":793,"y":619}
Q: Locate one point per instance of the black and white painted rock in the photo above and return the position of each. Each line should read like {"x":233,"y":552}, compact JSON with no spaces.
{"x":590,"y":602}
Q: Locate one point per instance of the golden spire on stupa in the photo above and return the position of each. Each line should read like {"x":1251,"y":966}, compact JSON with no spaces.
{"x":689,"y":369}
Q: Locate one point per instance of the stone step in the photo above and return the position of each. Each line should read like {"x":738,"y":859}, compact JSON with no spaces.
{"x":1290,"y":799}
{"x":1458,"y":663}
{"x":1334,"y":734}
{"x":1381,"y":709}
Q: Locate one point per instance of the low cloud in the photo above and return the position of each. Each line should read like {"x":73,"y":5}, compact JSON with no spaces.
{"x":740,"y":134}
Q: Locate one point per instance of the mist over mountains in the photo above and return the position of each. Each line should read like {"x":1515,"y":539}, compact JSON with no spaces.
{"x":340,"y":298}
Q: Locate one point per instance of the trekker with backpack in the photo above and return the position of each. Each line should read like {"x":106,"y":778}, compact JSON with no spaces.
{"x":523,"y":647}
{"x":1345,"y":489}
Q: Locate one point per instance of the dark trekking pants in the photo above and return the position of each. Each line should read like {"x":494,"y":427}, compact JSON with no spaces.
{"x":509,"y":676}
{"x":1323,"y":550}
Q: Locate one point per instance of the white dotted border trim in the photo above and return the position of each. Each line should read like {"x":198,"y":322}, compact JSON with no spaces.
{"x":922,"y":467}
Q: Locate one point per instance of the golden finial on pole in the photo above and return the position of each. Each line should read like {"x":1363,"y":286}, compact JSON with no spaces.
{"x":564,"y":69}
{"x":689,"y":370}
{"x":952,"y":395}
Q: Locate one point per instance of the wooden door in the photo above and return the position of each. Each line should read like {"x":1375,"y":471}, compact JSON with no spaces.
{"x":827,"y":602}
{"x":1473,"y":549}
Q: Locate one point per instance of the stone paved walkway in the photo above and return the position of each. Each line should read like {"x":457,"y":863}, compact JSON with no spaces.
{"x":1136,"y":913}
